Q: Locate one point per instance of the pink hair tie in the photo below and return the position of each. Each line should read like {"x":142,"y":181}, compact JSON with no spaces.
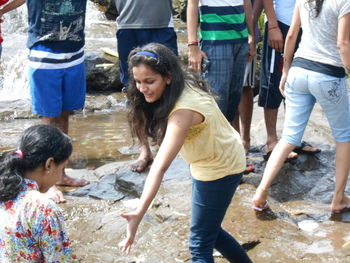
{"x":19,"y":153}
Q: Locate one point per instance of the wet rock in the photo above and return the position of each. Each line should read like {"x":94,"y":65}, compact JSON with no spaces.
{"x":102,"y":74}
{"x":108,"y":7}
{"x":103,"y":189}
{"x":18,"y":109}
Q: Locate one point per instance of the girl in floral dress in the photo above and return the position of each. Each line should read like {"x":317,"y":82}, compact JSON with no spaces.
{"x":31,"y":225}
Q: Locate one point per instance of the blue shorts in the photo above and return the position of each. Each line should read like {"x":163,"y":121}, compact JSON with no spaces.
{"x":225,"y":74}
{"x":128,"y":39}
{"x":305,"y":87}
{"x":56,"y":90}
{"x":271,"y":71}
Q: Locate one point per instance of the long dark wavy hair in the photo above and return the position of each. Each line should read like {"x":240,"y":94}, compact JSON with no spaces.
{"x":150,"y":119}
{"x":315,"y":7}
{"x":37,"y":144}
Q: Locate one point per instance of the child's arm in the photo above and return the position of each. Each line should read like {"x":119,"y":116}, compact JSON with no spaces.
{"x":10,"y":6}
{"x":178,"y":125}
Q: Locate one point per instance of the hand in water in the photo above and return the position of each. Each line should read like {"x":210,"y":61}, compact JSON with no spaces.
{"x":133,"y":219}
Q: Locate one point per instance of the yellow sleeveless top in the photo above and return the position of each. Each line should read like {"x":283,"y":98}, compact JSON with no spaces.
{"x":213,"y":148}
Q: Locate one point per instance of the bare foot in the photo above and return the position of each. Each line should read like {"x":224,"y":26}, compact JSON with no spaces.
{"x":269,"y":148}
{"x":259,"y":199}
{"x":141,"y":164}
{"x":70,"y":181}
{"x":56,"y":195}
{"x":341,"y":207}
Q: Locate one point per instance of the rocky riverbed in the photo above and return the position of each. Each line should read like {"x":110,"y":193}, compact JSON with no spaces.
{"x":298,"y":228}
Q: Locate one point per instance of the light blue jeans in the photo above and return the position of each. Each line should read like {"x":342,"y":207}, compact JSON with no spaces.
{"x":226,"y":74}
{"x":303,"y":89}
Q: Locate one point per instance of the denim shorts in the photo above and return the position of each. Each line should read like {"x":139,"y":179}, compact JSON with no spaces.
{"x":226,"y":74}
{"x":303,"y":89}
{"x":271,"y":67}
{"x":55,"y":90}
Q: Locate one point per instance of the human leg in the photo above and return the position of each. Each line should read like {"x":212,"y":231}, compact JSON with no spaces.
{"x":145,"y":158}
{"x":165,"y":36}
{"x":221,"y":63}
{"x":340,"y":200}
{"x":332,"y":95}
{"x":126,"y":41}
{"x":239,"y":54}
{"x":210,"y":200}
{"x":54,"y":93}
{"x":270,"y":116}
{"x":273,"y":166}
{"x":61,"y":121}
{"x":245,"y":107}
{"x":270,"y":97}
{"x":243,"y":117}
{"x":299,"y":105}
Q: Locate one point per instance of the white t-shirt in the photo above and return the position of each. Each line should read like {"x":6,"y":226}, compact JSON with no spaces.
{"x":319,"y":38}
{"x":284,"y":10}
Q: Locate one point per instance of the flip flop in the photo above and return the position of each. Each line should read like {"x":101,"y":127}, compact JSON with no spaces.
{"x":300,"y":149}
{"x":266,"y":156}
{"x":343,"y":210}
{"x":260,"y":209}
{"x":249,"y":169}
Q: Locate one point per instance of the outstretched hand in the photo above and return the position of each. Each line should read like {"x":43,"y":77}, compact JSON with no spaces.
{"x":133,"y":219}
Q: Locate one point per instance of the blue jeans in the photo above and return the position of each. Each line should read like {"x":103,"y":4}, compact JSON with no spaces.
{"x":226,"y":74}
{"x":210,"y":200}
{"x":303,"y":88}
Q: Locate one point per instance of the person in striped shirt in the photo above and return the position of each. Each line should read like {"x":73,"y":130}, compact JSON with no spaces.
{"x":227,"y":40}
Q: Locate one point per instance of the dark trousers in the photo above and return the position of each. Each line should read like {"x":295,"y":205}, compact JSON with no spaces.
{"x":210,"y":200}
{"x":128,"y":39}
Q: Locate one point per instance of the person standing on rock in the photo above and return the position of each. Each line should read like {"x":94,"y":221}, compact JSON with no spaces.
{"x":140,"y":23}
{"x":56,"y":63}
{"x":316,"y":74}
{"x":279,"y":15}
{"x":177,"y":110}
{"x":227,"y":41}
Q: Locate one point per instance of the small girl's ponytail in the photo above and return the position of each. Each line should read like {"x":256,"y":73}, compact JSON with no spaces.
{"x":37,"y":144}
{"x":11,"y":176}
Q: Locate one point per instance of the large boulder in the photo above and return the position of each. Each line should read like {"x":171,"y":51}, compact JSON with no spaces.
{"x":102,"y":73}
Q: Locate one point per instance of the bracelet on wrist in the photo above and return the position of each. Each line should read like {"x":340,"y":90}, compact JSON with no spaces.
{"x":192,"y":43}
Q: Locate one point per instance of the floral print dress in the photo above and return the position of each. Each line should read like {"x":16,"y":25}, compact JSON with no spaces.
{"x":32,"y":229}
